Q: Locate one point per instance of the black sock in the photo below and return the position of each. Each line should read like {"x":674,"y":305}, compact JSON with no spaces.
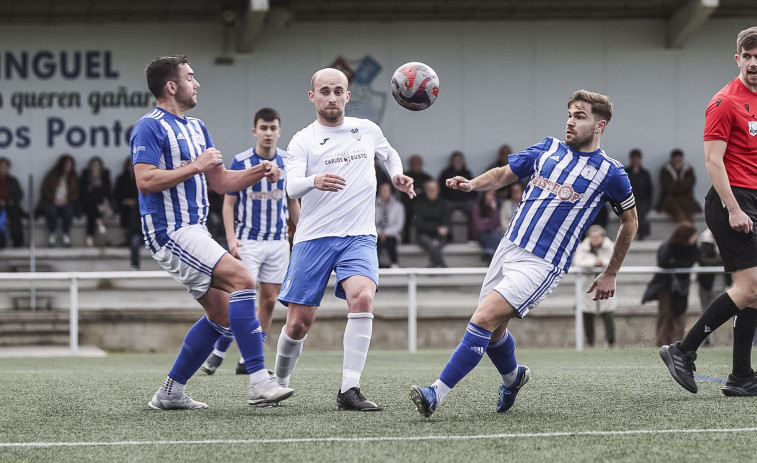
{"x":743,"y":335}
{"x":720,"y":311}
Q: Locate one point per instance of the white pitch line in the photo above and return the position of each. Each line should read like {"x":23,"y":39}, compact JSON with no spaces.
{"x":371,"y":439}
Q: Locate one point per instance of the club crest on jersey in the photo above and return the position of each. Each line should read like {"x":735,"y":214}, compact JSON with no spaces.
{"x":563,"y":192}
{"x":355,"y":134}
{"x":752,"y":128}
{"x":589,"y":171}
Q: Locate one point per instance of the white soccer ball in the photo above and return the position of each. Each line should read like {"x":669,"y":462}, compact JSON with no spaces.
{"x":415,"y":86}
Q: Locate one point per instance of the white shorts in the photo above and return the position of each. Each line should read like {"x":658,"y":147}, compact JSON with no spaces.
{"x":189,"y":256}
{"x":522,"y":278}
{"x":266,"y":260}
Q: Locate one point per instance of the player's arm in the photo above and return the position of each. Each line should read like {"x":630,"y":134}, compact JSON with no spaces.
{"x":714,"y":151}
{"x":604,"y":284}
{"x":293,"y":205}
{"x":151,"y":179}
{"x":229,"y":203}
{"x":492,"y":179}
{"x":225,"y":181}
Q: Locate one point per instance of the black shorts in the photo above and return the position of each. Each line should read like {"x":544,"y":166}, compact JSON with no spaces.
{"x":739,"y":250}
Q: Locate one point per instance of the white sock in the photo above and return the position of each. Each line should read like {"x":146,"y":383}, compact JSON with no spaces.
{"x":288,"y":351}
{"x":357,"y":339}
{"x":219,"y":353}
{"x":260,"y":377}
{"x":172,"y":387}
{"x":441,"y":390}
{"x":509,"y":378}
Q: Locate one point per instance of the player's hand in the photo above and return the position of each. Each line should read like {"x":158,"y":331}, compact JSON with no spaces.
{"x":404,"y":184}
{"x":329,"y":182}
{"x":272,"y":171}
{"x":740,"y":222}
{"x":604,"y":286}
{"x":209,"y":158}
{"x":459,"y":183}
{"x":234,"y":245}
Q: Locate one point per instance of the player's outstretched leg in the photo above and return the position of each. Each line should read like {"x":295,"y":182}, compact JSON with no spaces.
{"x":464,"y":359}
{"x":514,"y":376}
{"x":219,"y":353}
{"x":246,"y":327}
{"x":357,"y":339}
{"x":681,"y":365}
{"x":197,"y":345}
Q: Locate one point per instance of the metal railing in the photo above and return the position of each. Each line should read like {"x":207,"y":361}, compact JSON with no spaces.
{"x":580,"y":284}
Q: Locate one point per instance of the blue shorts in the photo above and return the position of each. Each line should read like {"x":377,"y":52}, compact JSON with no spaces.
{"x":312,"y":262}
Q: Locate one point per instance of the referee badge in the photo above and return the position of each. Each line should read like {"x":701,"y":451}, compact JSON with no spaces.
{"x":752,"y":128}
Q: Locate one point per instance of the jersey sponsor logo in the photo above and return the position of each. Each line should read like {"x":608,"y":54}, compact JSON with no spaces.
{"x":346,"y":157}
{"x":563,"y":192}
{"x":752,"y":128}
{"x":274,"y":194}
{"x":324,"y":141}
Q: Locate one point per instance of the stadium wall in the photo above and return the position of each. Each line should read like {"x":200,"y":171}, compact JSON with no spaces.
{"x":501,"y":82}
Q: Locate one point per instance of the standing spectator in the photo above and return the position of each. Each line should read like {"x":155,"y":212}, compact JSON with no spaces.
{"x":458,"y":200}
{"x":95,"y":197}
{"x":503,"y":154}
{"x":672,"y":290}
{"x":419,"y":176}
{"x":10,"y":202}
{"x":126,"y":197}
{"x":641,"y":182}
{"x":709,"y":256}
{"x":432,"y":223}
{"x":390,"y":218}
{"x":487,"y":227}
{"x":677,"y":180}
{"x":595,"y":251}
{"x":509,"y":205}
{"x":59,"y":193}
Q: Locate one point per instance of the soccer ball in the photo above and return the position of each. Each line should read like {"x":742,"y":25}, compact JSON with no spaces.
{"x":415,"y":86}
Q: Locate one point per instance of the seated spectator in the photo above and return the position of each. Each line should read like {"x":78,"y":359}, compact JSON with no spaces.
{"x":641,"y":184}
{"x":432,"y":223}
{"x":58,"y":196}
{"x":11,"y":196}
{"x":390,"y":218}
{"x":419,"y":176}
{"x":458,"y":200}
{"x":503,"y":159}
{"x":595,"y":251}
{"x":672,"y":290}
{"x":126,"y":198}
{"x":95,"y":197}
{"x":487,"y":228}
{"x":508,"y":206}
{"x":677,"y":180}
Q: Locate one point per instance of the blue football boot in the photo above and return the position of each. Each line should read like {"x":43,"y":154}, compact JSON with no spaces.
{"x":507,"y":394}
{"x":424,"y":399}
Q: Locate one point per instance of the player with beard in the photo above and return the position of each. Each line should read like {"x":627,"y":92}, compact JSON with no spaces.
{"x":730,"y":151}
{"x":173,"y":156}
{"x":569,"y":183}
{"x":330,"y":165}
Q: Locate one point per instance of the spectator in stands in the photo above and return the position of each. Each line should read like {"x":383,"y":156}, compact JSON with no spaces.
{"x":58,"y":196}
{"x":677,"y":180}
{"x":432,"y":223}
{"x":508,"y":206}
{"x":419,"y":176}
{"x":595,"y":251}
{"x":458,"y":200}
{"x":215,"y":217}
{"x":11,"y":195}
{"x":709,"y":256}
{"x":641,"y":182}
{"x":672,"y":290}
{"x":487,"y":227}
{"x":390,"y":219}
{"x":502,"y":160}
{"x":126,"y":198}
{"x":95,"y":198}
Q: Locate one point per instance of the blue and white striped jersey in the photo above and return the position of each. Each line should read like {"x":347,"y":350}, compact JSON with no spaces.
{"x":260,"y":211}
{"x":565,"y":193}
{"x":169,"y":142}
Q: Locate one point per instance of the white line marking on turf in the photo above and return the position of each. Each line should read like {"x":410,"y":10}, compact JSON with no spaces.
{"x":372,"y":439}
